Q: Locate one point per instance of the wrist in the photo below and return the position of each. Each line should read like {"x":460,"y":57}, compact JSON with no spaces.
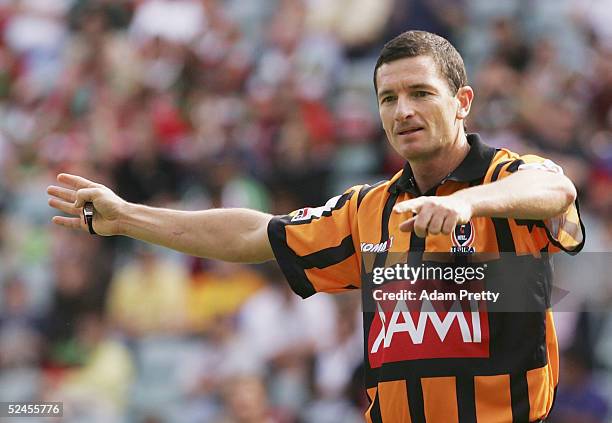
{"x":468,"y":205}
{"x":126,"y":217}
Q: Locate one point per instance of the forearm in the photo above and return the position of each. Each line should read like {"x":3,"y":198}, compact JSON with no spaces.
{"x":236,"y":235}
{"x":526,"y":194}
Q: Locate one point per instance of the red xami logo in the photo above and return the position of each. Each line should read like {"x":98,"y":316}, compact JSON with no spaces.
{"x":411,"y":330}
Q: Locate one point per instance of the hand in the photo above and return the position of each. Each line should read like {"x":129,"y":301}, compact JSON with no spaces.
{"x":108,"y":206}
{"x":434,"y":215}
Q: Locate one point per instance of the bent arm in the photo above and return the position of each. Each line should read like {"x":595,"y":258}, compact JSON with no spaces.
{"x":235,"y":235}
{"x":526,"y":194}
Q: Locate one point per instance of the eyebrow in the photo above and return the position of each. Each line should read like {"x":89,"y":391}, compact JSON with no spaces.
{"x":412,"y":87}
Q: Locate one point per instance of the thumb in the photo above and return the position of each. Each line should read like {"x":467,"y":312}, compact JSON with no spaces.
{"x":86,"y":195}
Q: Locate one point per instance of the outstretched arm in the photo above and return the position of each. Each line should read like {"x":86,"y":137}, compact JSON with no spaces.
{"x":526,"y":194}
{"x":236,"y":235}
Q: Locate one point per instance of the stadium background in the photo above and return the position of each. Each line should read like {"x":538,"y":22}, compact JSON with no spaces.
{"x":265,"y":104}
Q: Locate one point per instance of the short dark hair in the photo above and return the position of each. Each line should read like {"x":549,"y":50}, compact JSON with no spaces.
{"x":422,"y":43}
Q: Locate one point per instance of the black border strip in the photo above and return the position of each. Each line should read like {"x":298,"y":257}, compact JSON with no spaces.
{"x":287,"y":259}
{"x":557,"y":244}
{"x":466,"y":398}
{"x":505,"y":242}
{"x":381,"y":258}
{"x":416,"y":250}
{"x":375,"y":413}
{"x":519,"y":396}
{"x":515,"y":165}
{"x":328,"y":256}
{"x":497,"y":170}
{"x":365,"y":190}
{"x":416,"y":404}
{"x":530,"y":223}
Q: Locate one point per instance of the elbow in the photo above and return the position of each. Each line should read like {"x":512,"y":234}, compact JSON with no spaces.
{"x":568,"y":194}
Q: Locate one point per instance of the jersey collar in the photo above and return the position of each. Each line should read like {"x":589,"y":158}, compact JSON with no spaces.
{"x":473,"y":167}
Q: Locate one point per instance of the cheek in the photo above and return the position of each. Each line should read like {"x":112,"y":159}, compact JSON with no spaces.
{"x":443,"y":116}
{"x":386,"y":120}
{"x":450,"y":111}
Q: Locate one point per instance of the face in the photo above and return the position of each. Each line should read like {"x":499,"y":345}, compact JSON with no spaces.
{"x":420,"y":115}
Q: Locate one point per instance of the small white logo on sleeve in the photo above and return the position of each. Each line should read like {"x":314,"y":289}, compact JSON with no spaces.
{"x":308,"y":213}
{"x":547,"y":165}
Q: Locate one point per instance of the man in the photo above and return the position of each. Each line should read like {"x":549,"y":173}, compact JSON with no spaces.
{"x":455,"y":194}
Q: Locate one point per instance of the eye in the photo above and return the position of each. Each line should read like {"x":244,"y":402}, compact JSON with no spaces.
{"x":420,"y":94}
{"x":387,"y":99}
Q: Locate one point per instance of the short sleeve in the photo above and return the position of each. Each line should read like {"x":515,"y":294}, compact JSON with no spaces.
{"x":315,"y":247}
{"x":565,"y":232}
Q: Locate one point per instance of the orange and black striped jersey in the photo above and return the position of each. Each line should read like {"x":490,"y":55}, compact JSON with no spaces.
{"x":462,"y":364}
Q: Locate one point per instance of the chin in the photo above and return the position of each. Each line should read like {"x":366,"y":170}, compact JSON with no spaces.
{"x":421,"y":149}
{"x":414,"y":152}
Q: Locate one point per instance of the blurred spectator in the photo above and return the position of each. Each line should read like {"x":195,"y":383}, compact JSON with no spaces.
{"x":357,"y":24}
{"x":443,"y":17}
{"x":178,"y":21}
{"x":20,"y":327}
{"x":287,"y":333}
{"x":80,"y":282}
{"x":246,"y":402}
{"x":148,"y":296}
{"x":97,"y":390}
{"x":509,"y":47}
{"x":335,"y":366}
{"x":220,"y":290}
{"x":578,"y":399}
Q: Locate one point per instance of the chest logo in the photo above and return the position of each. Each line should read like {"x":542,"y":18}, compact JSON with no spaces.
{"x":367,"y":247}
{"x":463,"y":239}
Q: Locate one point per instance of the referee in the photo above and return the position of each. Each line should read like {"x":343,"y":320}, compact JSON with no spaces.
{"x":455,"y":196}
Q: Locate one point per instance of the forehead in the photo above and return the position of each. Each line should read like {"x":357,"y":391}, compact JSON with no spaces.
{"x":410,"y":71}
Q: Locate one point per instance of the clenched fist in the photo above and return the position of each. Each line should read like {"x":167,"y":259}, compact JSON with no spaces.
{"x":434,"y":215}
{"x":71,"y":199}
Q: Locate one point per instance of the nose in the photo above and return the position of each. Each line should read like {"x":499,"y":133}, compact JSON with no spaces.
{"x":404,"y":109}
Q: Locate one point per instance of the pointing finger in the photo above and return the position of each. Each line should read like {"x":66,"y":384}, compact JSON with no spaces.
{"x":413,"y":205}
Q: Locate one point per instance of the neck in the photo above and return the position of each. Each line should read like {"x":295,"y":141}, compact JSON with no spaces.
{"x":430,"y":171}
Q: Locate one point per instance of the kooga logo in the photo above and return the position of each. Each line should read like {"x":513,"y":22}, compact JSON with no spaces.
{"x":367,"y":247}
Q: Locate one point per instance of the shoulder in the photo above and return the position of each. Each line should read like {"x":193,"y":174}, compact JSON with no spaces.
{"x":506,"y":161}
{"x":378,"y":190}
{"x":503,"y":154}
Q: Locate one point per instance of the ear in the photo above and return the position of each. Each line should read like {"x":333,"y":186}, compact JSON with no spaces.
{"x":464,"y":97}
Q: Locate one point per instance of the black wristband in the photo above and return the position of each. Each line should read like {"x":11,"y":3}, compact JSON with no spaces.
{"x":88,"y":215}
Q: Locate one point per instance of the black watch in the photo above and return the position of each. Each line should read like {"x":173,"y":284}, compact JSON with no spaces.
{"x":88,"y":215}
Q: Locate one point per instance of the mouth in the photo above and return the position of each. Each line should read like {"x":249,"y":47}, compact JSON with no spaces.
{"x":409,"y":131}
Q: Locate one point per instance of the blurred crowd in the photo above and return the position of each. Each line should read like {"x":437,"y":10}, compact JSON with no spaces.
{"x":266,"y":104}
